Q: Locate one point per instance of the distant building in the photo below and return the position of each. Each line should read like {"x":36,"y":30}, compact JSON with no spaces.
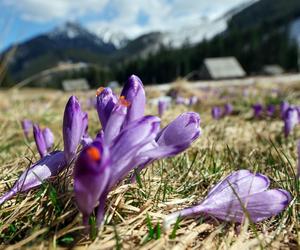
{"x":273,"y":70}
{"x":221,"y":68}
{"x":75,"y":84}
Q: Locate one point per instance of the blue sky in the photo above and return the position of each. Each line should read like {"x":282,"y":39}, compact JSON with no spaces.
{"x":22,"y":19}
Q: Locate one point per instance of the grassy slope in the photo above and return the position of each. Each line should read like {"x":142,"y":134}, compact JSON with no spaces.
{"x":48,"y":217}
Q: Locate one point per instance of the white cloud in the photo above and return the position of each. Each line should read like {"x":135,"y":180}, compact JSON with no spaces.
{"x":161,"y":14}
{"x":45,"y":10}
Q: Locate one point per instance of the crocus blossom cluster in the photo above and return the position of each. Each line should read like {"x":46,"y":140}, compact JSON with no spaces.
{"x":219,"y":112}
{"x":128,"y":140}
{"x":52,"y":163}
{"x":240,"y":195}
{"x":162,"y":107}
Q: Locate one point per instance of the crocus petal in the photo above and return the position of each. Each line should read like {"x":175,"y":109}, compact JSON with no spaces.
{"x":237,"y":196}
{"x":72,"y":127}
{"x":27,"y":127}
{"x":49,"y":138}
{"x":128,"y":143}
{"x":115,"y":123}
{"x":290,"y":120}
{"x":106,"y":101}
{"x":134,"y":93}
{"x":91,"y":174}
{"x":183,"y":130}
{"x":39,"y":140}
{"x":45,"y":168}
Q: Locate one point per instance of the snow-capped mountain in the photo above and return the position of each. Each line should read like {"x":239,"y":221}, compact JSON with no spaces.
{"x":109,"y":35}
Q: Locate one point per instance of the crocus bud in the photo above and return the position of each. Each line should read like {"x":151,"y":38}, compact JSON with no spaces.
{"x":283,"y":108}
{"x":228,"y":109}
{"x":91,"y":174}
{"x":257,"y":109}
{"x":216,"y":113}
{"x":27,"y":127}
{"x":49,"y":138}
{"x":162,"y":106}
{"x":39,"y":140}
{"x":72,"y":127}
{"x":32,"y":177}
{"x":134,"y":93}
{"x":106,"y":100}
{"x":291,"y":119}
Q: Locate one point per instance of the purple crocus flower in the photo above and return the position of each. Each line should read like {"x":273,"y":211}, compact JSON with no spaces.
{"x":228,"y":109}
{"x":122,"y":151}
{"x":74,"y":126}
{"x":257,"y":109}
{"x":162,"y":106}
{"x":51,"y":163}
{"x":284,"y":105}
{"x":130,"y":142}
{"x":216,"y":113}
{"x":240,"y":195}
{"x":91,"y":176}
{"x":27,"y":127}
{"x":271,"y":110}
{"x":291,"y":119}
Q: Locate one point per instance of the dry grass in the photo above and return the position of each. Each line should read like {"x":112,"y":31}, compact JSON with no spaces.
{"x":47,"y":217}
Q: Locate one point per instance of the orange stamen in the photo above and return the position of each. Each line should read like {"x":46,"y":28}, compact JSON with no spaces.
{"x":123,"y":101}
{"x":94,"y":153}
{"x":99,"y":91}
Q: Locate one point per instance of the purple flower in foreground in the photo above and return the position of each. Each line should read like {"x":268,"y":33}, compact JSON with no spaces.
{"x":283,"y":108}
{"x":91,"y":175}
{"x":257,"y":110}
{"x":129,"y":144}
{"x":240,"y":195}
{"x":162,"y":106}
{"x":74,"y":126}
{"x":228,"y":109}
{"x":51,"y":164}
{"x":27,"y":127}
{"x":271,"y":110}
{"x":216,"y":113}
{"x":291,"y":119}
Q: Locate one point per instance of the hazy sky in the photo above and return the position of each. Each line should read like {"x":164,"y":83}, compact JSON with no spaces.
{"x":21,"y":19}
